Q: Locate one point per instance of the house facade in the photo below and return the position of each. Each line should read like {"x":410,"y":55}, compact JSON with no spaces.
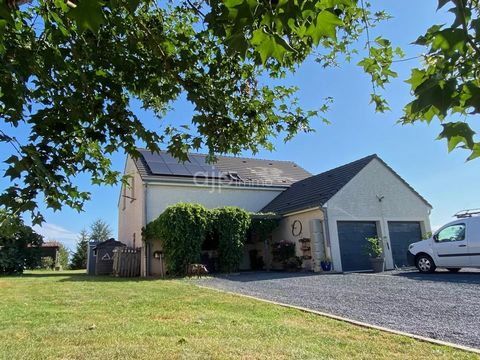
{"x":325,"y":215}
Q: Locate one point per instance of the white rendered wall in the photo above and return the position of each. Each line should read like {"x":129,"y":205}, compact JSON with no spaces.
{"x":359,"y":201}
{"x":284,"y":232}
{"x":130,"y":210}
{"x":162,"y":195}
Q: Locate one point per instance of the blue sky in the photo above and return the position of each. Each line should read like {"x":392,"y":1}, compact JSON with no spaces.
{"x":445,"y":180}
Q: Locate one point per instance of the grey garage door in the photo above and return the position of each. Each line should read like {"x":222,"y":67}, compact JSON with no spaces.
{"x":403,"y":234}
{"x":352,"y":238}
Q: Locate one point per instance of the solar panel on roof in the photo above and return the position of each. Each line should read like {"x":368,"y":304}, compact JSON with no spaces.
{"x":197,"y":159}
{"x":196,"y":170}
{"x":179,"y":169}
{"x":212,"y":171}
{"x":166,"y":164}
{"x":169,"y":159}
{"x":159,"y":168}
{"x":148,"y":156}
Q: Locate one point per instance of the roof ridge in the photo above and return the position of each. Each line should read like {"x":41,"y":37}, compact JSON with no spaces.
{"x":331,"y":185}
{"x":230,"y":156}
{"x":371,"y":157}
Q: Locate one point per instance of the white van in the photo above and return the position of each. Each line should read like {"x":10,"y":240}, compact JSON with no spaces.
{"x":454,"y":246}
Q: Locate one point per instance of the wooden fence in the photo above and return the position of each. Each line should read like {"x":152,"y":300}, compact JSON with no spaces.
{"x":126,"y":262}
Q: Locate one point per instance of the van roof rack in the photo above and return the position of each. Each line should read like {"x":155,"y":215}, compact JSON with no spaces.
{"x":467,"y":213}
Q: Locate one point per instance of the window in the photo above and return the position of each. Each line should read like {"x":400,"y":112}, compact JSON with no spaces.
{"x":132,"y":190}
{"x":124,"y":197}
{"x":451,"y":233}
{"x":134,"y":240}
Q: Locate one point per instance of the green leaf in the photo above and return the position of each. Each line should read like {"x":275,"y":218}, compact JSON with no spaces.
{"x":449,"y":40}
{"x":417,"y":78}
{"x":88,"y":15}
{"x":132,"y":5}
{"x":268,"y":45}
{"x":325,"y":25}
{"x":457,"y":133}
{"x":237,"y":43}
{"x":475,"y":152}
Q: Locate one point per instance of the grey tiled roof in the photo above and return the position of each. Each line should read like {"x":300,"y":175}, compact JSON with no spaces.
{"x":317,"y":190}
{"x":258,"y":172}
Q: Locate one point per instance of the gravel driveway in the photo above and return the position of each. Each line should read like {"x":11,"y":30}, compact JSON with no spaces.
{"x":441,"y":306}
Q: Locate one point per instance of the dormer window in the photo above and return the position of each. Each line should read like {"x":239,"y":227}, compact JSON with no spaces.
{"x":233,"y":175}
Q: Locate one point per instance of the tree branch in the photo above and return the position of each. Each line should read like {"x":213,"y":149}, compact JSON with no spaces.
{"x":465,"y":28}
{"x":196,"y":9}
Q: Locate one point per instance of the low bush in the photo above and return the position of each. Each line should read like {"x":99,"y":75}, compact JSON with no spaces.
{"x":46,"y":263}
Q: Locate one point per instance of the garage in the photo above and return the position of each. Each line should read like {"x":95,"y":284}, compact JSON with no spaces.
{"x":402,"y":234}
{"x":352,"y":239}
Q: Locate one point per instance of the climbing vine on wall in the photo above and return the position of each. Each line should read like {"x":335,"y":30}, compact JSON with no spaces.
{"x":181,"y":229}
{"x":232,"y":224}
{"x":263,"y":225}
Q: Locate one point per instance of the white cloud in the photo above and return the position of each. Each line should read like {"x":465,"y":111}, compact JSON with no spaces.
{"x":58,"y":233}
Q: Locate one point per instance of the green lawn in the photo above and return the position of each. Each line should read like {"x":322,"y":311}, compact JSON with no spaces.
{"x":46,"y":315}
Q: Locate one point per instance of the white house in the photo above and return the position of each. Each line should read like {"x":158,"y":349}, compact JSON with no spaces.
{"x":329,"y":214}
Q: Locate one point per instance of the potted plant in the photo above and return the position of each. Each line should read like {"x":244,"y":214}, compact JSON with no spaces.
{"x":326,"y":263}
{"x":293,"y":264}
{"x":284,"y":252}
{"x":374,"y":250}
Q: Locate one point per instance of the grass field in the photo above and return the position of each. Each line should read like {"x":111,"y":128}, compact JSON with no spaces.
{"x":68,"y":315}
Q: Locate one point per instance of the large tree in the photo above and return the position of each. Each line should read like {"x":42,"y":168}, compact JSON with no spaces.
{"x":70,"y":70}
{"x":63,"y":256}
{"x":79,"y":258}
{"x":100,"y":231}
{"x":19,"y":247}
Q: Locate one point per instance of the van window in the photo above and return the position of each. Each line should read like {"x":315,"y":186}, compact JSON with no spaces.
{"x":452,"y":233}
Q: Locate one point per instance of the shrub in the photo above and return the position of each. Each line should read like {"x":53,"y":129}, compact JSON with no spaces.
{"x":19,"y":247}
{"x":232,"y":224}
{"x":373,"y":248}
{"x":46,"y":263}
{"x":181,"y":229}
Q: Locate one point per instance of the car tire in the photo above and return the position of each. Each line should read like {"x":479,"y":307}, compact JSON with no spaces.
{"x":453,"y":270}
{"x":425,"y":264}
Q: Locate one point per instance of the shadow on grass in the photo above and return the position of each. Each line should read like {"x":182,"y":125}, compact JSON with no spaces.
{"x":76,"y":277}
{"x":248,"y":276}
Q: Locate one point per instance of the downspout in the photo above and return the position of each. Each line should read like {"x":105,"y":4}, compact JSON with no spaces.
{"x":328,"y":244}
{"x":146,"y":271}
